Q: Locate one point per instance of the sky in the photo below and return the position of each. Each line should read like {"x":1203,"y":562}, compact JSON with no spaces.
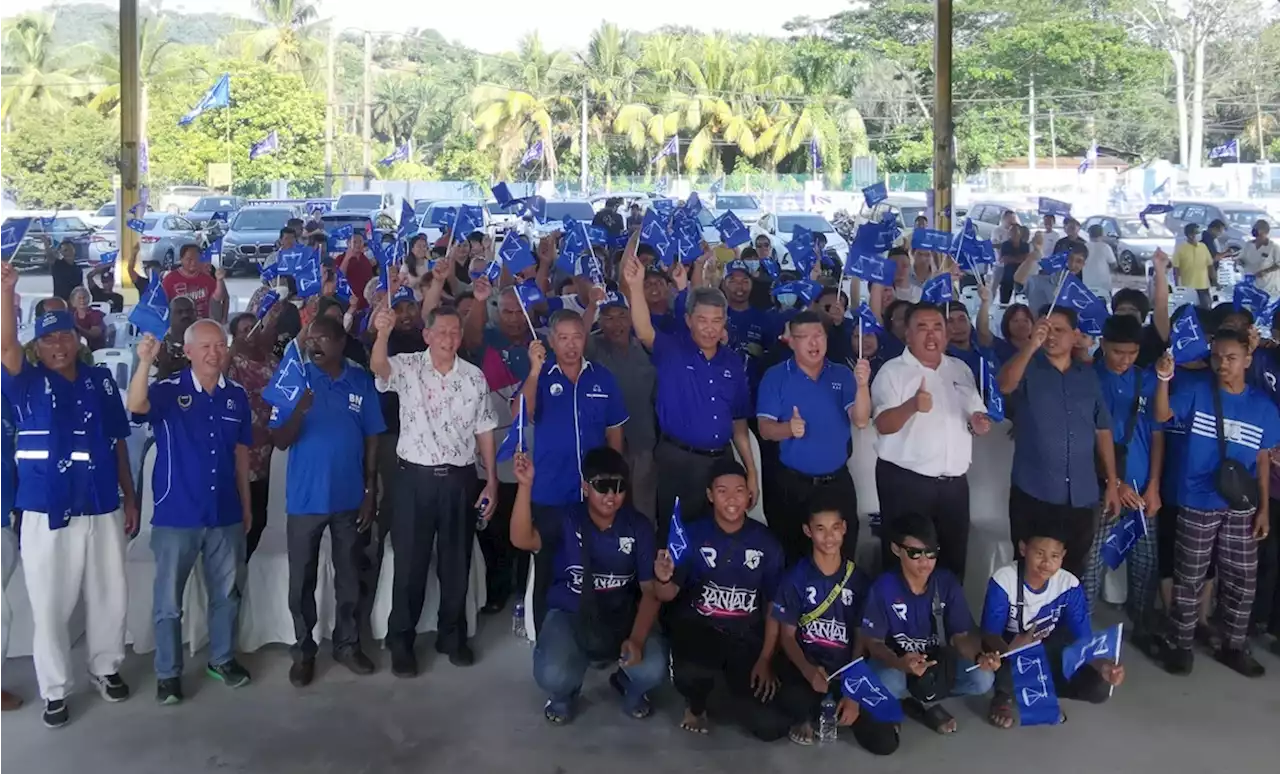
{"x":494,"y":26}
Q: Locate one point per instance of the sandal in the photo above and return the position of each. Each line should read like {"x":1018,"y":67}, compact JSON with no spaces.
{"x":1001,"y":714}
{"x":556,"y":716}
{"x":695,"y":724}
{"x":802,"y":734}
{"x":935,"y":718}
{"x":619,"y":680}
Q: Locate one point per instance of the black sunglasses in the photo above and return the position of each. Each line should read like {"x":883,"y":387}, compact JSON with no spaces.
{"x":915,"y":553}
{"x":608,"y":485}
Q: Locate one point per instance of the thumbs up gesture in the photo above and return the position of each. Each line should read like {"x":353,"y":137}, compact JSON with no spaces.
{"x":924,"y":400}
{"x":797,"y":423}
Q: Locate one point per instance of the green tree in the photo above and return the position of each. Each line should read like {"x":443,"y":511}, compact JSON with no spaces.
{"x":34,"y":73}
{"x":287,"y":37}
{"x":60,"y":159}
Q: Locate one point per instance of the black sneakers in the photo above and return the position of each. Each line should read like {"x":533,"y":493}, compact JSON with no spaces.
{"x":403,"y":662}
{"x":231,"y":673}
{"x":1179,"y":661}
{"x":55,"y":713}
{"x":355,"y":660}
{"x":462,"y":656}
{"x":169,"y":691}
{"x":112,"y":688}
{"x":1240,"y":660}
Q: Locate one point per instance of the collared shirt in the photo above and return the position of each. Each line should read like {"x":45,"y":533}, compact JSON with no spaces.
{"x":1118,"y":393}
{"x":936,"y":442}
{"x":326,"y":462}
{"x":826,"y":641}
{"x":699,"y":398}
{"x":254,"y":376}
{"x":728,"y":581}
{"x":752,"y":331}
{"x":824,"y":405}
{"x":1060,"y":601}
{"x":1250,"y":423}
{"x":92,"y":480}
{"x":1056,"y":415}
{"x":440,"y":414}
{"x":199,"y":287}
{"x":903,"y":620}
{"x":570,"y":419}
{"x":1254,"y":258}
{"x":398,"y":343}
{"x":637,"y":378}
{"x":621,"y":556}
{"x":1193,"y":262}
{"x":197,"y":433}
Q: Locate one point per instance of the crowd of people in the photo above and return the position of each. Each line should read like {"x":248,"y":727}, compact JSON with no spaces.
{"x":568,"y":420}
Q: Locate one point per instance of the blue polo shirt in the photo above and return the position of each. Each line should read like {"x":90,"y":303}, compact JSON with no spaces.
{"x":514,"y":356}
{"x":729,"y":580}
{"x":698,"y":399}
{"x":569,"y":420}
{"x":752,"y":332}
{"x":1118,"y":393}
{"x":824,"y":405}
{"x":326,"y":462}
{"x":1250,"y":424}
{"x":197,"y":432}
{"x":9,"y":471}
{"x":43,"y":404}
{"x":621,"y":556}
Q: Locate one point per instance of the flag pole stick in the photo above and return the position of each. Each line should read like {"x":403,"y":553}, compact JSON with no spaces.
{"x":1119,"y":642}
{"x":859,"y":333}
{"x":1061,"y":282}
{"x":1028,"y":646}
{"x":527,"y":318}
{"x":837,"y":673}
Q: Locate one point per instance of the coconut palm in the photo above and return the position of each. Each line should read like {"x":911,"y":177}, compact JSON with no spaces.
{"x":287,"y":38}
{"x":157,"y":62}
{"x":33,"y":75}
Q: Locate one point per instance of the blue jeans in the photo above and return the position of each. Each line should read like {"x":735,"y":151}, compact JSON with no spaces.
{"x":974,"y":683}
{"x":176,"y":549}
{"x":559,"y":665}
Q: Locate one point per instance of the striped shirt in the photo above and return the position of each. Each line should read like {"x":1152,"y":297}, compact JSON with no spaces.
{"x":1250,"y":423}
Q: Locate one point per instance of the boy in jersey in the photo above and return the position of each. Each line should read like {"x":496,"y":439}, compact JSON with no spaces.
{"x":1035,"y":600}
{"x":919,"y":632}
{"x":818,"y":609}
{"x":613,"y":621}
{"x":722,"y":587}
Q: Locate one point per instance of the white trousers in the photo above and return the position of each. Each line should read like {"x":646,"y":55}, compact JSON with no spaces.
{"x":86,"y":556}
{"x":8,"y":563}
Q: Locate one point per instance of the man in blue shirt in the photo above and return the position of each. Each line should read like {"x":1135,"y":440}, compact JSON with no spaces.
{"x":1062,"y":437}
{"x":1224,"y":493}
{"x":203,"y":432}
{"x":602,"y":538}
{"x":72,"y":467}
{"x":703,"y":396}
{"x":9,"y":562}
{"x":752,"y":331}
{"x":331,"y":433}
{"x":806,"y":405}
{"x":575,"y":404}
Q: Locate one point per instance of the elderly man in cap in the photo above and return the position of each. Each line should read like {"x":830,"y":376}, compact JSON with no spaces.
{"x":73,"y":479}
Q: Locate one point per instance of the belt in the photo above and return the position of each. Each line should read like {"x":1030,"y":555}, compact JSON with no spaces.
{"x":816,"y":480}
{"x":435,"y":470}
{"x":921,"y":475}
{"x":713,"y":453}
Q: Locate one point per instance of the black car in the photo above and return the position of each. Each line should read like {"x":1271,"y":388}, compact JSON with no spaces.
{"x":202,"y":211}
{"x":253,"y":236}
{"x":31,"y":253}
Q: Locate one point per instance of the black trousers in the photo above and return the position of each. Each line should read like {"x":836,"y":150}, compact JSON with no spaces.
{"x":787,"y":509}
{"x":434,"y":506}
{"x":346,"y":548}
{"x":700,"y":654}
{"x":1085,"y":685}
{"x":506,"y":567}
{"x":1079,"y":525}
{"x":259,"y":497}
{"x":1266,"y":601}
{"x":682,"y":474}
{"x":800,"y":703}
{"x":1006,"y":281}
{"x":944,"y":500}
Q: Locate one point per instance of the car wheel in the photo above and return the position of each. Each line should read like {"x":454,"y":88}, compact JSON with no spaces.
{"x":1128,"y":263}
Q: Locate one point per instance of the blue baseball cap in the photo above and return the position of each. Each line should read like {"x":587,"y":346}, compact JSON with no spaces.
{"x":52,"y":322}
{"x":737,"y":264}
{"x":403,"y":293}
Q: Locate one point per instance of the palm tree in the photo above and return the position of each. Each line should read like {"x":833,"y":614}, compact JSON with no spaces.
{"x":157,"y":62}
{"x":287,"y":38}
{"x":32,"y":74}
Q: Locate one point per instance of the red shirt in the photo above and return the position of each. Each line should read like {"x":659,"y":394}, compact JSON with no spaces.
{"x":358,"y":273}
{"x":199,"y":289}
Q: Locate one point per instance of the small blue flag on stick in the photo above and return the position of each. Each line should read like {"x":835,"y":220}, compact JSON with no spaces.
{"x":677,"y":540}
{"x":930,"y":239}
{"x":1186,"y":337}
{"x":861,"y":684}
{"x":732,"y":231}
{"x":1033,"y":687}
{"x":289,"y":381}
{"x":1124,"y":535}
{"x":514,"y":442}
{"x":1099,"y":645}
{"x":875,"y":193}
{"x":11,"y":235}
{"x":938,"y":290}
{"x":151,"y":314}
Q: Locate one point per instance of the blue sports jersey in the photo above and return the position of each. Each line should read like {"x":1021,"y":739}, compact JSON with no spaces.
{"x":1251,"y":424}
{"x":904,"y":621}
{"x":1060,"y":601}
{"x":752,"y":332}
{"x":827,"y":641}
{"x":1118,"y":393}
{"x":1175,"y":434}
{"x":621,"y":556}
{"x":727,"y":580}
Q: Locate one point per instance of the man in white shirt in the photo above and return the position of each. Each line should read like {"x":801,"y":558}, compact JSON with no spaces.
{"x":445,"y":417}
{"x":1261,"y":258}
{"x":927,"y":410}
{"x":1003,"y":232}
{"x":1048,"y":236}
{"x":1097,"y":266}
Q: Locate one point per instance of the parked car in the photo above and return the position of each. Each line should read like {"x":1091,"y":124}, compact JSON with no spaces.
{"x":180,"y":198}
{"x":837,"y":247}
{"x":745,"y":206}
{"x":366,"y":221}
{"x":164,"y":237}
{"x":420,"y":207}
{"x":986,"y":216}
{"x":1134,"y":243}
{"x":435,"y":232}
{"x":252,"y":237}
{"x":503,"y":218}
{"x":105,"y":217}
{"x":1239,"y":218}
{"x":31,"y":254}
{"x":369,"y":201}
{"x":203,"y":211}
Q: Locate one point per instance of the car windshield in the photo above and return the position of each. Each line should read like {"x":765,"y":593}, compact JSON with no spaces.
{"x":1133,"y":229}
{"x":575,"y":210}
{"x":359,"y":201}
{"x":705,"y":218}
{"x":68,"y":223}
{"x":338,"y":221}
{"x":261,"y":219}
{"x":496,"y":209}
{"x":214,"y":203}
{"x":907,"y":216}
{"x":1245,"y":218}
{"x":787,"y":223}
{"x":421,"y":206}
{"x":724,"y":202}
{"x":106,"y":211}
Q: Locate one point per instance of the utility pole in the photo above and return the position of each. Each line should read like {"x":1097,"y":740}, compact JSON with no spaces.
{"x":1031,"y":124}
{"x":943,"y":153}
{"x":366,"y":131}
{"x":583,"y":144}
{"x":328,"y":115}
{"x":1257,"y":106}
{"x":1053,"y":140}
{"x":130,"y":128}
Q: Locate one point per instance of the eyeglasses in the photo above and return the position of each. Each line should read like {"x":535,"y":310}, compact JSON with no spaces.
{"x":915,"y":553}
{"x":608,"y":485}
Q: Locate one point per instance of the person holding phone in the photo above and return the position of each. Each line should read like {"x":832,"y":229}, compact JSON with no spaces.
{"x":331,"y":431}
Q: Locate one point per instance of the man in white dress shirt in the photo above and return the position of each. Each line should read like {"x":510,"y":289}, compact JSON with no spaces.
{"x":445,"y":417}
{"x":927,"y":410}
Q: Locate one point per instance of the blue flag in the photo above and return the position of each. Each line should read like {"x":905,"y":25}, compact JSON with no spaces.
{"x":692,"y":205}
{"x":970,"y":252}
{"x":801,"y":249}
{"x":470,"y":219}
{"x":210,"y":250}
{"x":1099,"y":645}
{"x":938,"y":290}
{"x":529,"y":293}
{"x":1124,"y":535}
{"x":408,"y":220}
{"x":875,"y":193}
{"x":218,"y":96}
{"x":1251,"y":297}
{"x":342,"y":288}
{"x":1033,"y":687}
{"x":871,"y":268}
{"x":991,"y":390}
{"x":664,"y":207}
{"x":289,"y":381}
{"x":732,"y":231}
{"x":1055,"y":263}
{"x":930,"y":239}
{"x":653,"y":232}
{"x":307,"y":274}
{"x":1153,"y":209}
{"x":514,"y":442}
{"x":11,"y":235}
{"x":533,"y":208}
{"x":1186,"y":337}
{"x":867,"y":319}
{"x":688,"y":239}
{"x":573,"y":243}
{"x":771,"y":267}
{"x":136,"y":224}
{"x":532,"y":154}
{"x":269,"y":300}
{"x":670,"y":149}
{"x":268,"y":144}
{"x":110,"y":257}
{"x":1091,"y":311}
{"x":502,"y":195}
{"x":151,"y":314}
{"x":399,"y":154}
{"x":443,"y":217}
{"x":806,"y":290}
{"x":677,"y":540}
{"x":1054,"y":207}
{"x":516,"y":253}
{"x":317,"y":207}
{"x":861,"y":684}
{"x":815,"y":157}
{"x":493,"y":271}
{"x":1228,"y":150}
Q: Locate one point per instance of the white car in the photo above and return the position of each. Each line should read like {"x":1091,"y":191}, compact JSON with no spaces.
{"x":779,"y":228}
{"x":435,"y":232}
{"x":177,"y":199}
{"x":745,"y":206}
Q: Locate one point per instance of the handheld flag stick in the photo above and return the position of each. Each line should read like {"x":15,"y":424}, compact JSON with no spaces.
{"x":1028,"y":646}
{"x":1056,"y":291}
{"x":1119,"y":642}
{"x":524,"y":309}
{"x":859,"y":336}
{"x":837,"y":673}
{"x":982,"y":379}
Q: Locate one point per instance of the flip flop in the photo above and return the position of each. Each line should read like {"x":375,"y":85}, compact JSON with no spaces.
{"x":1002,"y":706}
{"x":934,"y":717}
{"x":554,"y":716}
{"x":696,"y":726}
{"x":798,"y":736}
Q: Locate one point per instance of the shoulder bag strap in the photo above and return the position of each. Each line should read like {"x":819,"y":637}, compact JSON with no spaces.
{"x":818,"y":611}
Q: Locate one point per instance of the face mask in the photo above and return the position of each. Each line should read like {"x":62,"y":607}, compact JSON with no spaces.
{"x":754,"y":265}
{"x":787,"y":300}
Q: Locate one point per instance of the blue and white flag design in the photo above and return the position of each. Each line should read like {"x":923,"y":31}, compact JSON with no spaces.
{"x":871,"y":268}
{"x":1054,"y":207}
{"x":1099,"y":645}
{"x":867,"y":322}
{"x":861,"y":684}
{"x":1124,"y":535}
{"x":269,"y":300}
{"x":218,"y":96}
{"x":1186,"y":337}
{"x":513,"y":444}
{"x":875,"y":193}
{"x":938,"y":290}
{"x":1251,"y":297}
{"x":11,"y":235}
{"x":815,"y":156}
{"x":732,"y":231}
{"x":930,"y":239}
{"x":1055,"y":263}
{"x":677,"y":540}
{"x":211,"y":250}
{"x":1090,"y":158}
{"x":801,"y":249}
{"x":399,"y":154}
{"x":1033,"y":687}
{"x":502,"y":195}
{"x":268,"y":144}
{"x":528,"y":293}
{"x":532,"y":154}
{"x":110,"y":257}
{"x":1228,"y":150}
{"x":991,"y":390}
{"x":151,"y":314}
{"x":516,"y":253}
{"x":672,"y":148}
{"x":136,"y":224}
{"x":1091,"y":311}
{"x":341,"y":287}
{"x":1153,"y":209}
{"x":289,"y":381}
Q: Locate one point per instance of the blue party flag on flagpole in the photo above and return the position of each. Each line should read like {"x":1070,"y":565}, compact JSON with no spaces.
{"x":801,"y":249}
{"x":1153,"y":209}
{"x":1251,"y":297}
{"x":670,"y":149}
{"x":815,"y":157}
{"x":806,"y":290}
{"x":733,"y":233}
{"x":1055,"y":263}
{"x":871,"y":268}
{"x":408,"y":220}
{"x":1033,"y":687}
{"x":1098,"y":645}
{"x":11,"y":235}
{"x":875,"y":193}
{"x":470,"y":219}
{"x":771,"y":267}
{"x":268,"y":300}
{"x":677,"y":539}
{"x":1090,"y":158}
{"x":401,"y":153}
{"x":341,"y":287}
{"x":531,"y":155}
{"x":861,"y":684}
{"x":938,"y":290}
{"x":867,"y":321}
{"x":533,"y":208}
{"x":210,"y":250}
{"x":930,"y":239}
{"x":516,"y":253}
{"x":990,"y":387}
{"x":136,"y":224}
{"x":513,"y":444}
{"x":289,"y":381}
{"x":502,"y":195}
{"x":1054,"y":207}
{"x":1090,"y":310}
{"x":110,"y":257}
{"x":1125,"y":534}
{"x":1186,"y":337}
{"x":307,"y":273}
{"x":218,"y":96}
{"x":151,"y":314}
{"x":1228,"y":150}
{"x":268,"y":144}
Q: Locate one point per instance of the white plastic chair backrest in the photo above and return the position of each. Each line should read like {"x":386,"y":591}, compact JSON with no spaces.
{"x":120,"y":361}
{"x":26,"y":334}
{"x":102,"y":306}
{"x":147,"y":496}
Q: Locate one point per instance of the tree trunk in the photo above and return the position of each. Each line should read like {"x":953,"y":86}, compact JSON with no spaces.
{"x":1197,"y":106}
{"x":1180,"y":80}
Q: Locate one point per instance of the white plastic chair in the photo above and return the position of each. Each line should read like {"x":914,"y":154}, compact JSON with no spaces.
{"x":120,"y":361}
{"x":26,"y":334}
{"x":102,"y":306}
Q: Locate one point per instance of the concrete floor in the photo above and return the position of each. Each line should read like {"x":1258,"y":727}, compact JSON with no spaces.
{"x":488,"y":719}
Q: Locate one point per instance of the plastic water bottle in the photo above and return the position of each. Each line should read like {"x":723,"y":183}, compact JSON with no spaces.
{"x":517,"y":621}
{"x":481,"y":522}
{"x":827,"y":720}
